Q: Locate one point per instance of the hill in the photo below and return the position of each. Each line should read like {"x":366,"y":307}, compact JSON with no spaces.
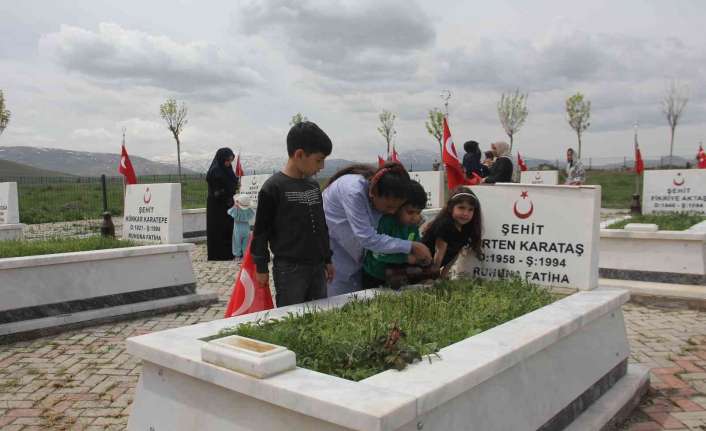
{"x":83,"y":163}
{"x":10,"y":169}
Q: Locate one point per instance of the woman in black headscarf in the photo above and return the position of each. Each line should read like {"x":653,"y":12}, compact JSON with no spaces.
{"x":471,"y":160}
{"x":222,"y":185}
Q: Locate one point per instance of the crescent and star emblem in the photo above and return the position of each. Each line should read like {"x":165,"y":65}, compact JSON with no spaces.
{"x":678,"y":180}
{"x":122,"y":162}
{"x":148,"y":196}
{"x":523,"y":215}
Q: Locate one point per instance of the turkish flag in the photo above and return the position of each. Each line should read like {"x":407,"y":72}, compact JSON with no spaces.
{"x":639,"y":164}
{"x":125,"y":167}
{"x":381,"y":162}
{"x":701,"y":157}
{"x":395,"y":157}
{"x":238,"y":168}
{"x":521,"y":163}
{"x":248,"y":296}
{"x":454,"y":170}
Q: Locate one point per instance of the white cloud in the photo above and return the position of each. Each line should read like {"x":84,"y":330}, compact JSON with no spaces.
{"x":128,"y":57}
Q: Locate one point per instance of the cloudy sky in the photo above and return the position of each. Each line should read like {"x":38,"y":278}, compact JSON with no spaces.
{"x":75,"y":72}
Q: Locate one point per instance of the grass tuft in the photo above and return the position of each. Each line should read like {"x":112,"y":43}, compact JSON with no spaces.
{"x":60,"y":245}
{"x":663,"y":221}
{"x":368,"y":336}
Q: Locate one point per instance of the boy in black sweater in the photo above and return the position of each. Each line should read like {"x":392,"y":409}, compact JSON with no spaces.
{"x":290,"y":219}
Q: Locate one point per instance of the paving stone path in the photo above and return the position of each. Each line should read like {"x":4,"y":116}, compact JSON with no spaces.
{"x":84,"y":379}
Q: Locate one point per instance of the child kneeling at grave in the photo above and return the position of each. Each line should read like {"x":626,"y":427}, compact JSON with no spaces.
{"x":242,"y":214}
{"x":394,"y":269}
{"x":290,"y":221}
{"x":457,"y":225}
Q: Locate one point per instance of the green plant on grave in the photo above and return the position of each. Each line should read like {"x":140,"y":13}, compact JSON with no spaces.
{"x":16,"y":248}
{"x":390,"y":330}
{"x":663,"y":221}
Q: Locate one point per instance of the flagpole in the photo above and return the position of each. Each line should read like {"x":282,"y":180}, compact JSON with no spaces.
{"x":445,"y":96}
{"x":635,"y":207}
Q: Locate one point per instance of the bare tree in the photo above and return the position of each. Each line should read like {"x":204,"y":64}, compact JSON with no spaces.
{"x":578,"y":111}
{"x":297,"y":118}
{"x":387,"y":127}
{"x":673,"y":106}
{"x":4,"y":114}
{"x":512,"y":111}
{"x":435,"y":127}
{"x":175,"y":116}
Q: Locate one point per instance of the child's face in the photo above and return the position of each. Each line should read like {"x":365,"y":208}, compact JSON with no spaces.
{"x":409,"y":215}
{"x":462,"y":213}
{"x":387,"y":204}
{"x":308,"y":164}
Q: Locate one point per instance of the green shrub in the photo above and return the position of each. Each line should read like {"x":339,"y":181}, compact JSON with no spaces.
{"x":663,"y":221}
{"x":368,"y":336}
{"x":59,"y":245}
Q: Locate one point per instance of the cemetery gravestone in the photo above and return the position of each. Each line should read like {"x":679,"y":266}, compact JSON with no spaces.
{"x":9,"y":212}
{"x":250,"y":186}
{"x":433,"y":184}
{"x":674,"y":191}
{"x":540,"y":177}
{"x":546,"y":235}
{"x":153,"y":213}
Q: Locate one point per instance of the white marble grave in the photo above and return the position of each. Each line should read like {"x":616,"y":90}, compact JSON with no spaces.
{"x":547,"y":235}
{"x":550,"y":178}
{"x":250,"y":186}
{"x":526,"y":373}
{"x":153,"y":213}
{"x":9,"y":209}
{"x":674,"y":191}
{"x":433,"y":183}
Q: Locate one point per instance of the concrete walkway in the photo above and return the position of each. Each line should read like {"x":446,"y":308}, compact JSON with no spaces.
{"x":84,"y":379}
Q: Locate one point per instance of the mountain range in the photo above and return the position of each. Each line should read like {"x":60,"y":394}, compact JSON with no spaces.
{"x":84,"y":163}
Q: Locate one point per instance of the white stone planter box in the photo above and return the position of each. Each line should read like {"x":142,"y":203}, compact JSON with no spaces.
{"x":674,"y":256}
{"x":194,"y":222}
{"x":11,"y":231}
{"x":41,"y":292}
{"x":525,"y":374}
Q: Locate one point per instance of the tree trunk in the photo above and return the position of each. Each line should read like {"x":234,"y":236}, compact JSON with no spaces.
{"x":579,"y":136}
{"x":388,"y":148}
{"x":178,"y":156}
{"x":671,"y":147}
{"x":511,"y":140}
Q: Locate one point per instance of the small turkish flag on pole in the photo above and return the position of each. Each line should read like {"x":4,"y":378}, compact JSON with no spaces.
{"x":701,"y":157}
{"x":238,"y":168}
{"x":125,"y":167}
{"x":521,"y":163}
{"x":248,"y":296}
{"x":395,"y":157}
{"x":454,"y":171}
{"x":381,"y":162}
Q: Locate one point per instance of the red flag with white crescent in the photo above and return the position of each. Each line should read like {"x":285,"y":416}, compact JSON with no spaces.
{"x":381,"y":162}
{"x":125,"y":167}
{"x":454,"y":170}
{"x":701,"y":157}
{"x":395,"y":157}
{"x":239,"y":168}
{"x":248,"y":296}
{"x":521,"y":162}
{"x":639,"y":163}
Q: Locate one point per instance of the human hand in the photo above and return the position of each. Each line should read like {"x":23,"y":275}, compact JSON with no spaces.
{"x":262,"y":278}
{"x":421,"y":251}
{"x":330,"y":272}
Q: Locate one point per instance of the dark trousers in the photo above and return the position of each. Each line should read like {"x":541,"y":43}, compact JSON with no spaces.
{"x":370,"y":282}
{"x":296,"y":282}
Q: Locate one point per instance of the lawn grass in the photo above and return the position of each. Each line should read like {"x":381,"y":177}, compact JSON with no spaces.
{"x":663,"y":221}
{"x":617,"y":187}
{"x":59,"y":245}
{"x":368,"y":336}
{"x":82,"y":199}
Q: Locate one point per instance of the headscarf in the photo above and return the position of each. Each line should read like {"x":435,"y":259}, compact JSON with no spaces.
{"x":218,"y":169}
{"x":502,"y":149}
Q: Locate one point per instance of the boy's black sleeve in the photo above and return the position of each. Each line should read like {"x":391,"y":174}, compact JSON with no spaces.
{"x":264,"y":226}
{"x":324,"y":235}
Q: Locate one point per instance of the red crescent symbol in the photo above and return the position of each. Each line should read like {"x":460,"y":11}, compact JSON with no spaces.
{"x":674,"y":181}
{"x":523,"y":215}
{"x":148,"y":196}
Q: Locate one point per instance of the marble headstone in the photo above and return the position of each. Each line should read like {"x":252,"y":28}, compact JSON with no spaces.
{"x":250,"y":186}
{"x":153,"y":213}
{"x":433,"y":184}
{"x":9,"y":212}
{"x":550,"y":178}
{"x":674,"y":191}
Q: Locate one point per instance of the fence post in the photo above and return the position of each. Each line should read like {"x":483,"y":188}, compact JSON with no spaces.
{"x":107,"y":227}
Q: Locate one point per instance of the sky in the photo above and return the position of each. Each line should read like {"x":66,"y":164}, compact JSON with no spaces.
{"x":76,"y":72}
